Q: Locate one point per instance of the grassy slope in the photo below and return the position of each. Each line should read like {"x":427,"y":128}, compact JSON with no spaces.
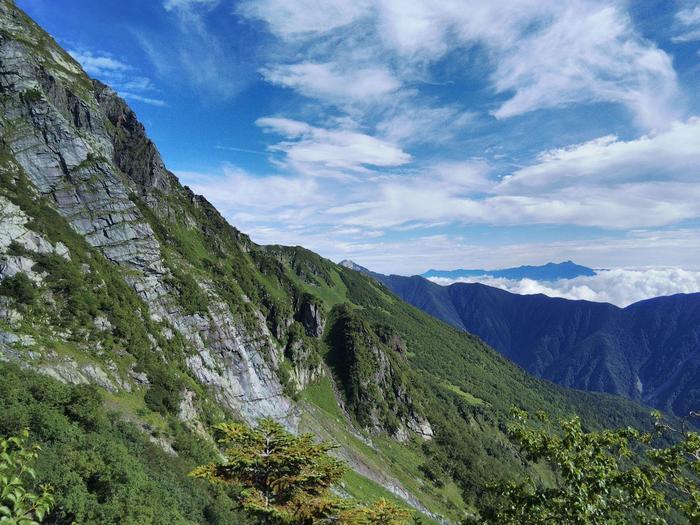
{"x":466,"y":389}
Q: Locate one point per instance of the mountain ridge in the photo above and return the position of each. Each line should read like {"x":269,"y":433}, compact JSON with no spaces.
{"x":641,"y":351}
{"x":546,"y":272}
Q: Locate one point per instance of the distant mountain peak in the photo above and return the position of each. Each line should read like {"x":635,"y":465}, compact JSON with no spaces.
{"x":550,"y":271}
{"x":352,"y":265}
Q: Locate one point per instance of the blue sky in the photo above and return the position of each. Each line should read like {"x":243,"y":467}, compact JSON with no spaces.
{"x":413,"y":134}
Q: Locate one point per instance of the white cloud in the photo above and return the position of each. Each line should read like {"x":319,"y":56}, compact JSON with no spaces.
{"x":170,"y":5}
{"x":297,"y":17}
{"x":588,"y":53}
{"x":236,"y":189}
{"x":415,"y":254}
{"x":146,"y":100}
{"x":320,"y":213}
{"x":329,"y":81}
{"x":543,"y":54}
{"x":407,"y":122}
{"x":608,"y":183}
{"x":670,"y":155}
{"x":320,"y":151}
{"x":619,"y":286}
{"x":687,"y":23}
{"x":186,"y":51}
{"x":650,"y":182}
{"x":418,"y":200}
{"x":99,"y":64}
{"x":119,"y":75}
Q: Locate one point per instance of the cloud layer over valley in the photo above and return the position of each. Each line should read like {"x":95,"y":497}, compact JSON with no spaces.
{"x":619,"y":286}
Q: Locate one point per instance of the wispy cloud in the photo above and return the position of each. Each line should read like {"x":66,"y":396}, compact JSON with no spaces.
{"x":321,"y":214}
{"x":238,"y":190}
{"x":300,"y":18}
{"x":670,"y":155}
{"x":687,"y":24}
{"x":99,"y":64}
{"x":189,"y":52}
{"x":544,"y":54}
{"x":608,"y":183}
{"x":146,"y":100}
{"x":321,"y":151}
{"x":588,"y":53}
{"x":171,"y":5}
{"x":331,"y":81}
{"x":120,"y":75}
{"x":415,"y":255}
{"x":611,"y":184}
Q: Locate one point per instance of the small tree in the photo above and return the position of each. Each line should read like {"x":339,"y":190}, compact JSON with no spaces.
{"x":681,"y":466}
{"x":286,"y":479}
{"x":19,"y":506}
{"x":607,"y":477}
{"x":596,"y":482}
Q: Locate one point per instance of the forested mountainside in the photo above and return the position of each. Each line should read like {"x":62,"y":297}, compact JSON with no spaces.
{"x":133,"y":317}
{"x":648,"y":351}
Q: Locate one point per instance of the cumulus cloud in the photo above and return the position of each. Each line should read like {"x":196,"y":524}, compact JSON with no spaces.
{"x":270,"y":208}
{"x":607,"y":182}
{"x":304,"y":17}
{"x":619,"y":286}
{"x":375,"y":78}
{"x":98,"y":64}
{"x":237,"y":189}
{"x":669,"y":155}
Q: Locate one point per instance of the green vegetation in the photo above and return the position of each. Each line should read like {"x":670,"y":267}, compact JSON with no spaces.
{"x":286,"y":479}
{"x":83,"y":287}
{"x":369,"y":372}
{"x":102,"y":469}
{"x":19,"y":506}
{"x":600,"y":477}
{"x":19,"y":287}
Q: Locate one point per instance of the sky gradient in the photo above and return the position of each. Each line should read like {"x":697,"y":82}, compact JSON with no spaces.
{"x":409,"y":135}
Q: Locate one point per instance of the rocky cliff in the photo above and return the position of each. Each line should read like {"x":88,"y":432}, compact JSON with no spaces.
{"x":84,"y":153}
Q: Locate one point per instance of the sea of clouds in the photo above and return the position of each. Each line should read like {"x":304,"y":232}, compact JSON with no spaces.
{"x":619,"y":286}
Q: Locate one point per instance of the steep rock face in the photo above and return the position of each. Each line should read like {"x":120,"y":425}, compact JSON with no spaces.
{"x":134,"y":153}
{"x":370,"y":371}
{"x":311,"y":317}
{"x":82,"y":148}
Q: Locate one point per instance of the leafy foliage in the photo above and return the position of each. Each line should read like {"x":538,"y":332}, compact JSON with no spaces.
{"x":680,"y":464}
{"x":601,"y":477}
{"x":286,"y":479}
{"x":20,"y":287}
{"x":104,"y":470}
{"x":18,"y":505}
